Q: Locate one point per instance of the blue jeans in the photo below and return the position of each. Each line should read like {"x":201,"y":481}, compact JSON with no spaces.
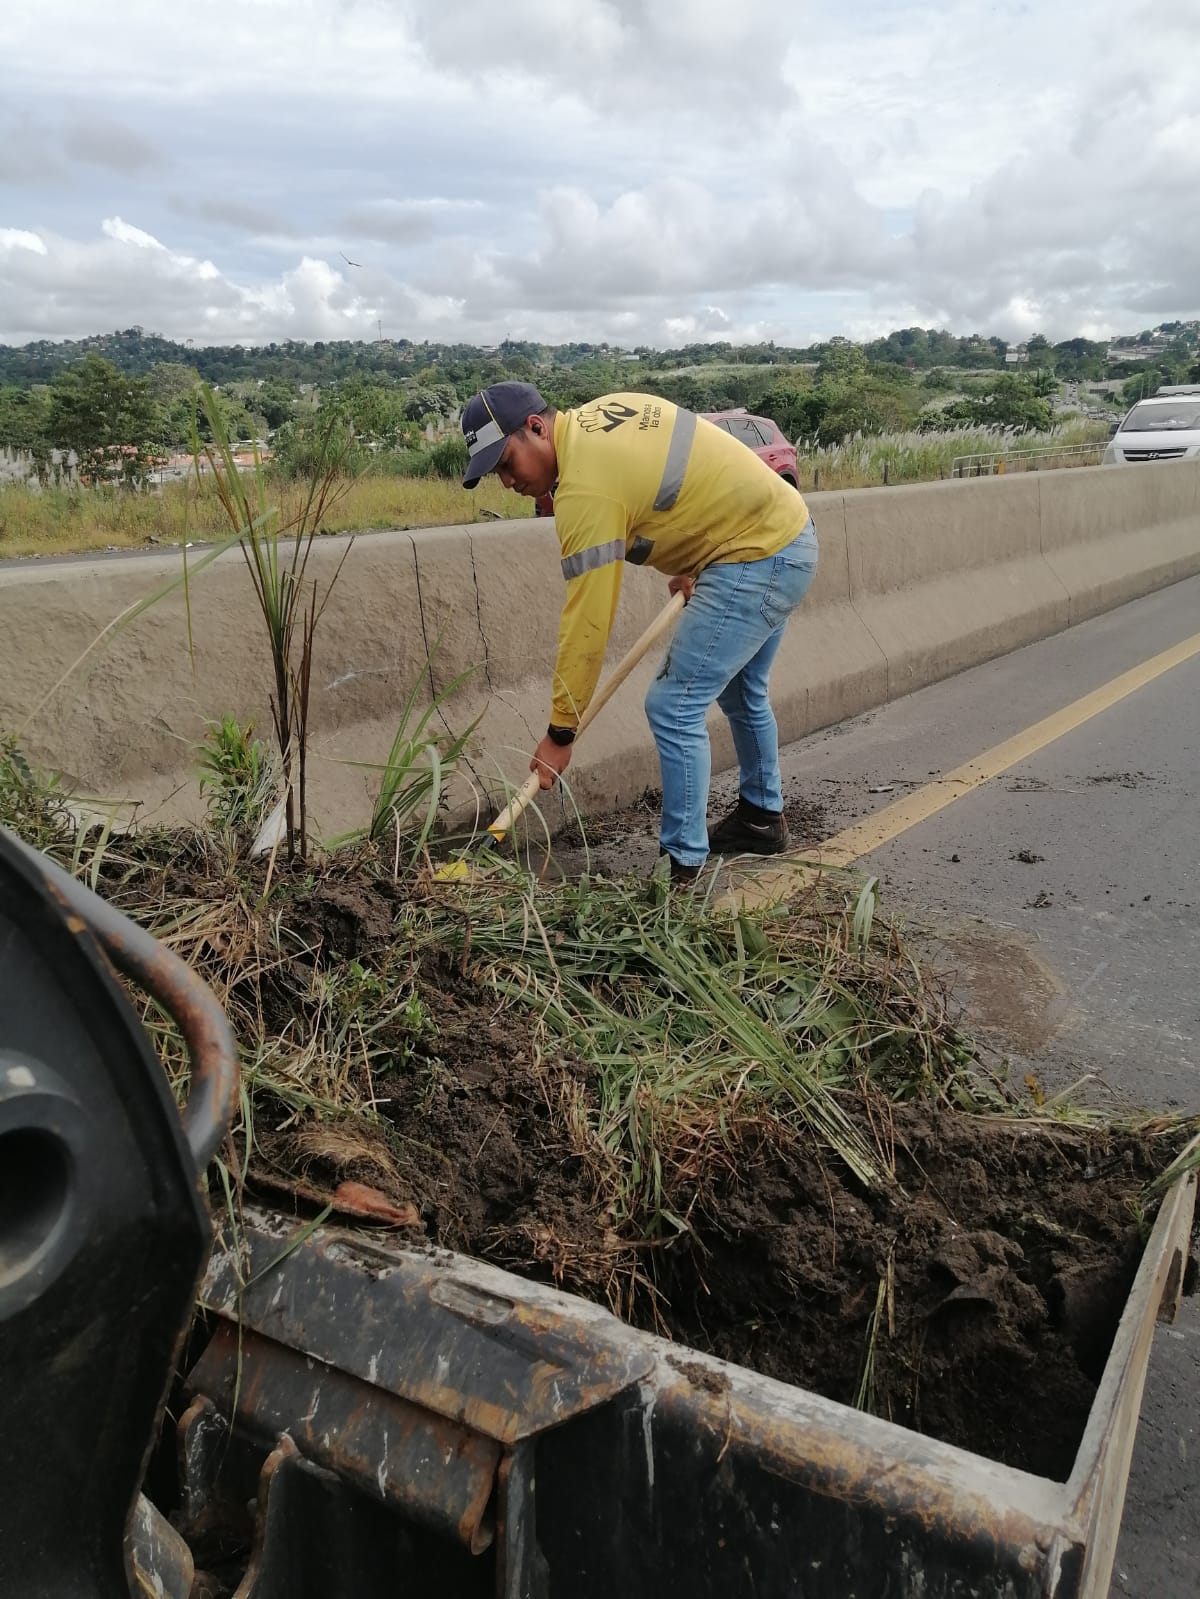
{"x":722,"y":650}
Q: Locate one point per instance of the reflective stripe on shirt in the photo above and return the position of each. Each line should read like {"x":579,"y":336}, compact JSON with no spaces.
{"x":678,"y":452}
{"x":588,"y":560}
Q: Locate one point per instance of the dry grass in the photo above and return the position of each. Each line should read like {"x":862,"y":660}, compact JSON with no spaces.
{"x":64,"y":521}
{"x":692,"y":1022}
{"x":926,"y":457}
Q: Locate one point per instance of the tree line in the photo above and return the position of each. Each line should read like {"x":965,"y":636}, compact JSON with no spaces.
{"x":135,"y":353}
{"x":122,"y":410}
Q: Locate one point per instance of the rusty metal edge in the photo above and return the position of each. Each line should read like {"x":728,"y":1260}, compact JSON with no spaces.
{"x":162,"y":1563}
{"x":859,"y":1459}
{"x":1032,"y":1521}
{"x":602,"y":1355}
{"x":238,"y":1365}
{"x":1096,"y":1488}
{"x":827,"y":1445}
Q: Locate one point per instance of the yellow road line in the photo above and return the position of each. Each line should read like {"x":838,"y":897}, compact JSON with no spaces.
{"x":854,"y":842}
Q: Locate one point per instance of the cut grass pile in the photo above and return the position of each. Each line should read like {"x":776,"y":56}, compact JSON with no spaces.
{"x":666,"y":1033}
{"x":690,"y":1024}
{"x":761,"y":1136}
{"x":688,"y":1019}
{"x":694,"y":1020}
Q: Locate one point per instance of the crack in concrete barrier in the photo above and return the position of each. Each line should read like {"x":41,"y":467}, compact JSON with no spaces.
{"x":429,"y":658}
{"x":487,"y":659}
{"x":421,"y":614}
{"x":510,"y":698}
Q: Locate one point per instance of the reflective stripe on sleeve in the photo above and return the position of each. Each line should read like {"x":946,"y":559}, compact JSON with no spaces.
{"x":588,"y":560}
{"x":678,"y":451}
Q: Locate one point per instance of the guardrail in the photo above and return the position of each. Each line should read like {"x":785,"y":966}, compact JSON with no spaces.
{"x":994,"y":462}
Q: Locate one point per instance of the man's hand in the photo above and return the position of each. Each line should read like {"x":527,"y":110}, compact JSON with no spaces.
{"x":550,"y":761}
{"x":682,"y":585}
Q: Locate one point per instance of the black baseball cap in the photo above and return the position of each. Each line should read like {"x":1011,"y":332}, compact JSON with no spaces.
{"x":488,"y":419}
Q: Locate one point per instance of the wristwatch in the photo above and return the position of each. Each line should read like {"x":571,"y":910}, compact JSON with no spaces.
{"x":561,"y":735}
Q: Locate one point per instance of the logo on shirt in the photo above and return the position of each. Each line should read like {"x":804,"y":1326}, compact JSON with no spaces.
{"x":604,"y":418}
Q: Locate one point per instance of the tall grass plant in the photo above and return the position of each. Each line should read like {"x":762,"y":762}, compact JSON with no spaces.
{"x":914,"y":457}
{"x":276,"y":554}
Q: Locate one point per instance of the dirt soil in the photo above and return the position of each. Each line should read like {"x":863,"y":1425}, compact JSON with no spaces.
{"x":973,"y":1298}
{"x":1005,"y":1254}
{"x":627,"y":841}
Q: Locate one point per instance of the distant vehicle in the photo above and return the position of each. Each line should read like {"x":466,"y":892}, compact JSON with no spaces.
{"x":1163,"y":427}
{"x":761,"y":435}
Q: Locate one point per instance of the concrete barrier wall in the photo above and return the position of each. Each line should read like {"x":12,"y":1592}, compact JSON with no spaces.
{"x":1135,"y":530}
{"x":936,"y":601}
{"x":915,"y":583}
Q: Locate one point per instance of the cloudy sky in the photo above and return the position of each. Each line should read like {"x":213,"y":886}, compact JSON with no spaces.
{"x":632,"y":170}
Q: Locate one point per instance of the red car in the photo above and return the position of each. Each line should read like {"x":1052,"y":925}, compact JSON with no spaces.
{"x":763,"y":437}
{"x":758,"y":432}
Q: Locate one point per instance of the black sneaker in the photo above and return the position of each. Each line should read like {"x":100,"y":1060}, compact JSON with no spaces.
{"x":749,"y":830}
{"x":683,"y":876}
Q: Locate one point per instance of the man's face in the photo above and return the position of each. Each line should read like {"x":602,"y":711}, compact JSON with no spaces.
{"x":529,"y":465}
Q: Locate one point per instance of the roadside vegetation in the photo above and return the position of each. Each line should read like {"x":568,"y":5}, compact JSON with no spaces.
{"x":921,"y":457}
{"x":121,"y":407}
{"x":56,"y":520}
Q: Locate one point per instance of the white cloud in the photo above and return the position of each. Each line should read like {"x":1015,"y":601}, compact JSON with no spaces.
{"x":125,"y":233}
{"x":20,"y":239}
{"x":608,"y":169}
{"x":125,"y":275}
{"x":622,"y":57}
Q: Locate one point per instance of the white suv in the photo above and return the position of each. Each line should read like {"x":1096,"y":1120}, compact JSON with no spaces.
{"x":1166,"y":427}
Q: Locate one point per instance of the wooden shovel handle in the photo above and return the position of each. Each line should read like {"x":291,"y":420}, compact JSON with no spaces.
{"x":658,"y":630}
{"x":515,"y":806}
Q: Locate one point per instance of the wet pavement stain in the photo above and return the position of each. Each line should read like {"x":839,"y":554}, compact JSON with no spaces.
{"x":1006,"y":993}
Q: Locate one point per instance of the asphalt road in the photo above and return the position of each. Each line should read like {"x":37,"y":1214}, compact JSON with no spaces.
{"x":1063,"y":895}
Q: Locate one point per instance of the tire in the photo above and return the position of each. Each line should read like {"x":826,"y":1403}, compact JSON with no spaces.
{"x":790,"y":480}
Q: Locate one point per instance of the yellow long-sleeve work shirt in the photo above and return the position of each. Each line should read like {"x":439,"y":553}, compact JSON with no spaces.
{"x":642,"y":480}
